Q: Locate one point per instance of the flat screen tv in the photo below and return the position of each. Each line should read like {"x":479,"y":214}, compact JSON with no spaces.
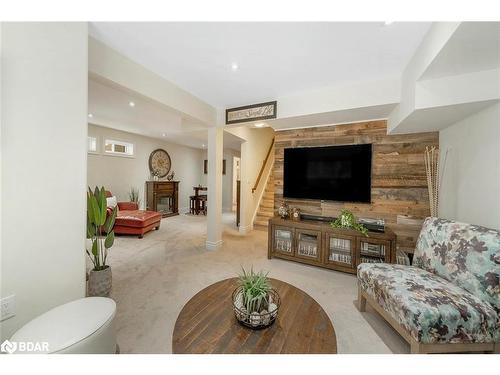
{"x":336,"y":173}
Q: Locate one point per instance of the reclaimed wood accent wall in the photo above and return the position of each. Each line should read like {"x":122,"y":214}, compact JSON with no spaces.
{"x":399,"y":183}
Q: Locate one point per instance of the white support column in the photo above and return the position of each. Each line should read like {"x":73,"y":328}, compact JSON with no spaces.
{"x":214,"y":215}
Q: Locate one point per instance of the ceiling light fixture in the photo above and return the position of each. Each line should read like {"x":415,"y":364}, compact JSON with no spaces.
{"x":259,"y":125}
{"x":234,"y":67}
{"x":132,"y":104}
{"x":164,"y":134}
{"x":387,"y":23}
{"x":203,"y":145}
{"x":90,"y":115}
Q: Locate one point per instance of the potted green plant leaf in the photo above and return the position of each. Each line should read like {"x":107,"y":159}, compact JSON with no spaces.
{"x":101,"y":237}
{"x":347,"y":220}
{"x":255,"y":302}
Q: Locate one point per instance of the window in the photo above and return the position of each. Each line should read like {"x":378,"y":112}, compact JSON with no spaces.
{"x":92,"y":144}
{"x":118,"y":148}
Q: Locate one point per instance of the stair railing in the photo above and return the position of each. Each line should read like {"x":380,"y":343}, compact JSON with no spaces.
{"x":264,"y":163}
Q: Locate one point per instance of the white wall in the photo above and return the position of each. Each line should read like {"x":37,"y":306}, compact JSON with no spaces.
{"x":253,"y":152}
{"x":118,"y":174}
{"x":44,"y":129}
{"x":470,"y":189}
{"x":227,"y":179}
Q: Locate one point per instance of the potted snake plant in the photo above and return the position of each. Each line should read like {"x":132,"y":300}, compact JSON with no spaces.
{"x":100,"y":236}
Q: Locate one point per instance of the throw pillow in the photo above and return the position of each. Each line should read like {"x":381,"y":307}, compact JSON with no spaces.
{"x":111,"y":202}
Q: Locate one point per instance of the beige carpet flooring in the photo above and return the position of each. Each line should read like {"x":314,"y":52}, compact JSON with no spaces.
{"x":155,"y":276}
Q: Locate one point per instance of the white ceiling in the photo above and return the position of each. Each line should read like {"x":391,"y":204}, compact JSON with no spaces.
{"x":274,"y":59}
{"x":109,"y":106}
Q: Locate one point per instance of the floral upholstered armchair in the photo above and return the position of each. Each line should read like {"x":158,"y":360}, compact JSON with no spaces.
{"x":449,"y":300}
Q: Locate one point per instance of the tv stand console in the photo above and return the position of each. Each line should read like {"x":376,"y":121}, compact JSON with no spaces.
{"x":317,"y":243}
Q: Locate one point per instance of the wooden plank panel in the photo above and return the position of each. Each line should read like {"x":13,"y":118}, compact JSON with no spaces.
{"x":399,"y":184}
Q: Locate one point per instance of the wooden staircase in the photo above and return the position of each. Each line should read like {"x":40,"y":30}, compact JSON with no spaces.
{"x":266,"y":207}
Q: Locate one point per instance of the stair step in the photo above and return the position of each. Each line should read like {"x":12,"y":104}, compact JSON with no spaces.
{"x":259,"y":227}
{"x":266,"y":204}
{"x":263,"y":217}
{"x":266,"y":207}
{"x":262,"y":223}
{"x":267,"y":214}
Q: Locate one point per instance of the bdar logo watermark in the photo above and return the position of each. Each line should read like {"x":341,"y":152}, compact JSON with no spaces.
{"x":11,"y":347}
{"x":8,"y":347}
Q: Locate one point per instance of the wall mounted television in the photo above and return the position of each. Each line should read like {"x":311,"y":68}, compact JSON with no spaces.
{"x":335,"y":173}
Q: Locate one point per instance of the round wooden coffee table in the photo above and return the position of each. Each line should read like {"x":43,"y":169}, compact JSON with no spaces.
{"x":206,"y":324}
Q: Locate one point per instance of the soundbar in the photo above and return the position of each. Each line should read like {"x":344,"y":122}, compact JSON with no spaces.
{"x":325,"y":219}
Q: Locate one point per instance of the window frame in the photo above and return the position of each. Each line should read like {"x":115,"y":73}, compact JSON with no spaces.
{"x":96,"y":151}
{"x":118,"y":142}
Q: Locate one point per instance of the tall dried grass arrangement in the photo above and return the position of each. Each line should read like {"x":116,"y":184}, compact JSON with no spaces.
{"x":431,"y":157}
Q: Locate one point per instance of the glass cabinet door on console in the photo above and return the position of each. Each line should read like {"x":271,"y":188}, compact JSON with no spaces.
{"x":340,"y":250}
{"x":308,"y":244}
{"x":372,"y":250}
{"x":283,"y":240}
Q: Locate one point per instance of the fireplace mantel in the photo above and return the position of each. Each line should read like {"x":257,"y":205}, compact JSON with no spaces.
{"x":163,"y":197}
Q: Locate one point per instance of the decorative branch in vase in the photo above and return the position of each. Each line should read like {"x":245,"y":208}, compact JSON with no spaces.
{"x":431,"y":157}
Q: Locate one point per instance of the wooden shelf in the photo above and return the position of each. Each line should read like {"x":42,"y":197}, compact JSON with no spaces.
{"x":333,"y":248}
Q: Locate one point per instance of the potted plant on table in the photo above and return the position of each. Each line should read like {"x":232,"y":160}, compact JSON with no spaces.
{"x":255,"y":302}
{"x":101,"y":237}
{"x":347,"y":220}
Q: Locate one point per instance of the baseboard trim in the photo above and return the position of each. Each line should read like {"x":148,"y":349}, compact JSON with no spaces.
{"x":245,"y":229}
{"x":210,"y":245}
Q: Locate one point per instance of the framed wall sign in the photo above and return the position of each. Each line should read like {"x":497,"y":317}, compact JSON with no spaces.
{"x":254,"y":112}
{"x":205,"y":166}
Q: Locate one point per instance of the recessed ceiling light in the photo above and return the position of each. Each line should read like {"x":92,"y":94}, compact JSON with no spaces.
{"x":91,"y":115}
{"x":259,"y":125}
{"x":132,"y":104}
{"x":164,"y":134}
{"x":387,"y":23}
{"x":234,"y":67}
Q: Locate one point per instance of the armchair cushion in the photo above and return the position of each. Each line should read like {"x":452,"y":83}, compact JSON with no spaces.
{"x":464,"y":254}
{"x":429,"y":308}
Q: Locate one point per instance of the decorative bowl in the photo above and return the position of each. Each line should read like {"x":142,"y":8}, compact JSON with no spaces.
{"x":256,"y":320}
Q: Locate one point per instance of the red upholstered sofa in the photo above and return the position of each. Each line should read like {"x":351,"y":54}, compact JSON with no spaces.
{"x":131,"y":220}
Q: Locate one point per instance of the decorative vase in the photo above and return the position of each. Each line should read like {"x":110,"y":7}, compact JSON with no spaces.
{"x":99,"y":283}
{"x":295,"y":214}
{"x":283,"y":210}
